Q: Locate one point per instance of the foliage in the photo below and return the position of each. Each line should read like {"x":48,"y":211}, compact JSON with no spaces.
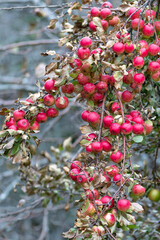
{"x":101,"y":75}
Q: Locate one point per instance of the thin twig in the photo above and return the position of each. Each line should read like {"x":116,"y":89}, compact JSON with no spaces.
{"x":28,"y":43}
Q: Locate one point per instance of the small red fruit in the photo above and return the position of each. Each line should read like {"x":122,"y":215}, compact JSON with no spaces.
{"x":107,"y":201}
{"x":76,"y":63}
{"x":23,"y":124}
{"x":128,"y":118}
{"x":157,"y":26}
{"x":101,"y":87}
{"x":126,"y":128}
{"x":48,"y":100}
{"x":153,"y":49}
{"x":89,"y":148}
{"x":74,"y":173}
{"x":86,"y":41}
{"x":138,"y":190}
{"x":107,"y":121}
{"x":105,"y":12}
{"x":82,"y":177}
{"x":116,"y":107}
{"x":93,"y":118}
{"x":104,"y":24}
{"x":106,"y":146}
{"x":114,"y":21}
{"x":134,"y":113}
{"x":138,"y":62}
{"x":97,"y":97}
{"x":150,"y":14}
{"x":112,"y":170}
{"x":138,"y":128}
{"x":105,"y":78}
{"x":92,"y":194}
{"x":13,"y":127}
{"x":84,"y":115}
{"x":143,"y":52}
{"x":139,"y":78}
{"x":92,"y":26}
{"x":118,"y":179}
{"x":107,"y":4}
{"x":154,"y":67}
{"x":148,"y":126}
{"x":91,"y":136}
{"x":29,"y":100}
{"x":86,"y":68}
{"x":116,"y":157}
{"x":129,"y":48}
{"x":118,"y":48}
{"x":83,"y":53}
{"x":115,"y":128}
{"x":143,"y":44}
{"x":82,"y":79}
{"x":123,"y":205}
{"x":67,"y":88}
{"x":91,"y":210}
{"x":128,"y":78}
{"x":18,"y":114}
{"x":10,"y":122}
{"x":99,"y":230}
{"x":97,"y":50}
{"x":61,"y":102}
{"x":49,"y":85}
{"x":94,"y":12}
{"x":137,"y":22}
{"x":76,"y":164}
{"x":148,"y":30}
{"x":97,"y":147}
{"x":110,"y":219}
{"x":41,"y":117}
{"x":89,"y":88}
{"x":52,"y":112}
{"x":134,"y":13}
{"x":127,"y":96}
{"x":137,"y":119}
{"x":34,"y":126}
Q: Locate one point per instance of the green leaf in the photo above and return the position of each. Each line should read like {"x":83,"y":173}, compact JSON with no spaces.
{"x":90,"y":103}
{"x":138,"y":139}
{"x":85,"y":206}
{"x":15,"y":148}
{"x":132,"y":226}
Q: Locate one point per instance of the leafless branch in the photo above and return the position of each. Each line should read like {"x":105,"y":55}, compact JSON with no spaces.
{"x":28,"y":43}
{"x":44,"y":225}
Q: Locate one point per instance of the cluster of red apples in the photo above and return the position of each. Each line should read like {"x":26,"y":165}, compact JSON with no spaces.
{"x":133,"y":124}
{"x":119,"y":121}
{"x":106,"y":205}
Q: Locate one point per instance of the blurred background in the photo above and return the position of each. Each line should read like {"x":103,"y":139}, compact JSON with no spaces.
{"x":23,"y":37}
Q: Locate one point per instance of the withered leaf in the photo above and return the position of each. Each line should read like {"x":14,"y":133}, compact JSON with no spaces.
{"x":124,"y":7}
{"x":62,"y":41}
{"x":50,"y":67}
{"x":137,"y":207}
{"x":52,"y":24}
{"x":9,"y":145}
{"x":4,"y":111}
{"x":75,"y":5}
{"x":17,"y":157}
{"x":85,"y":129}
